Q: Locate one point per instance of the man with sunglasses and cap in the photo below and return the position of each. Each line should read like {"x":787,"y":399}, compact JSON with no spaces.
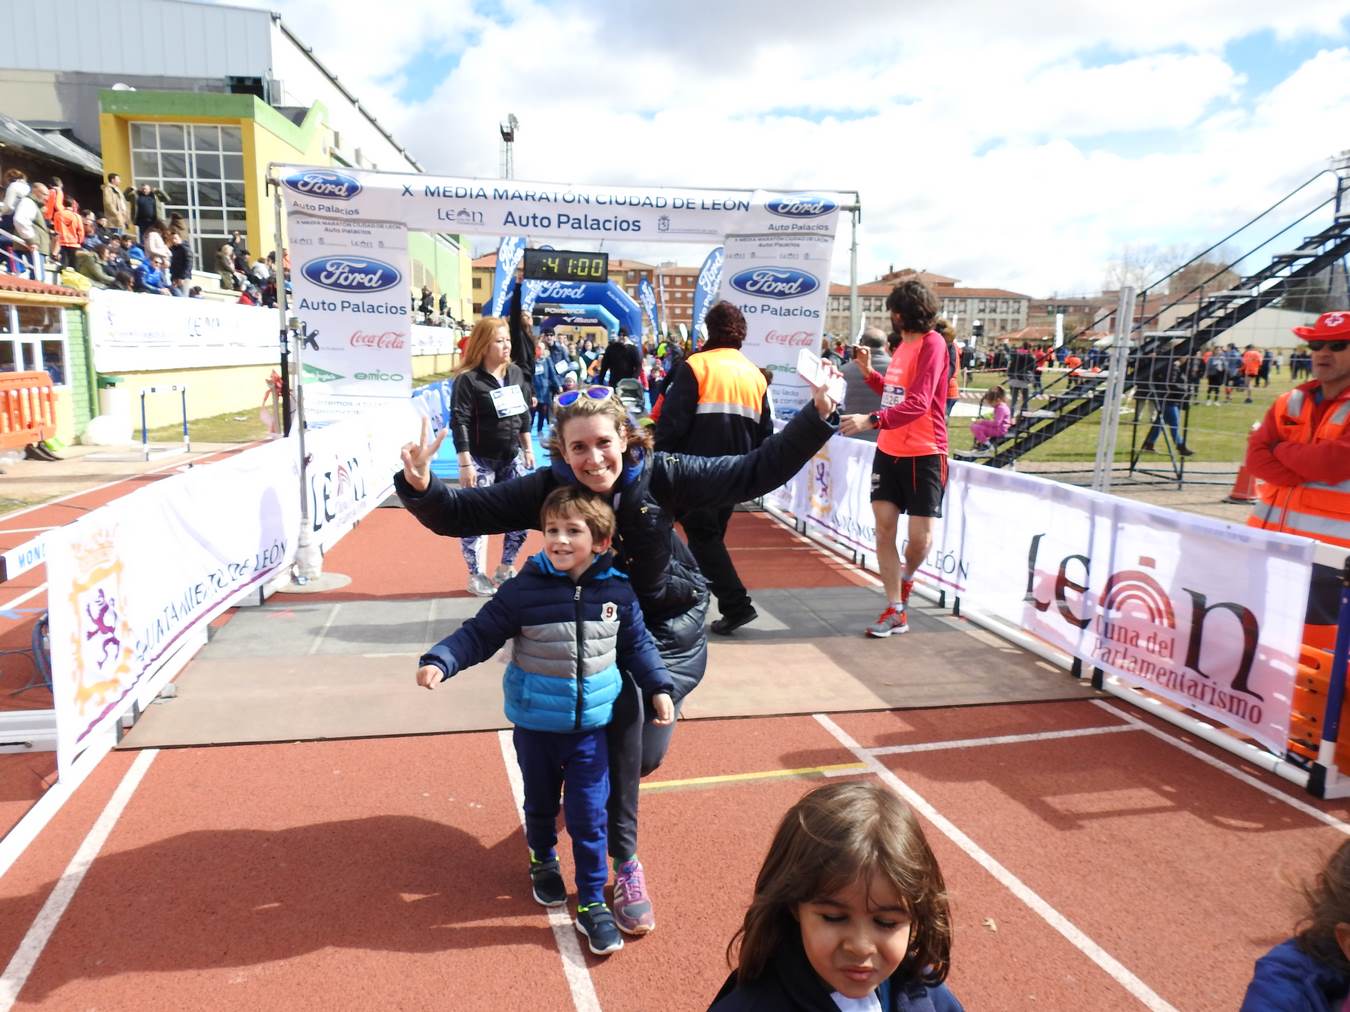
{"x":1301,"y":454}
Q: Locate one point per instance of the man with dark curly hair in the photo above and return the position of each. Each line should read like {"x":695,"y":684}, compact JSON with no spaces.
{"x":909,"y":470}
{"x":717,"y":403}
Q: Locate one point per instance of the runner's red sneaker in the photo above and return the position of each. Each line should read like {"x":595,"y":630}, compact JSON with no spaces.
{"x":892,"y":620}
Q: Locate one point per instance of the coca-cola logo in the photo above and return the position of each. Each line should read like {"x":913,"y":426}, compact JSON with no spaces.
{"x":389,"y":339}
{"x":796,"y":339}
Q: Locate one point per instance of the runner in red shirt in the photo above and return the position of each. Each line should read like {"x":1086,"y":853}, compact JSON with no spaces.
{"x":909,"y":471}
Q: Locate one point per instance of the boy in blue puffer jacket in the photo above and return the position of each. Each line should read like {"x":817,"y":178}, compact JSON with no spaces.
{"x":575,"y":621}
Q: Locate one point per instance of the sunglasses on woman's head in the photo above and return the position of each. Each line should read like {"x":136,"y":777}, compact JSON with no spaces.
{"x":1329,"y":345}
{"x":596,"y":393}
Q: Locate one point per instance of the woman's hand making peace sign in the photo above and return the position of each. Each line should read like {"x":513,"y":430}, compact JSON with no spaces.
{"x":417,"y":457}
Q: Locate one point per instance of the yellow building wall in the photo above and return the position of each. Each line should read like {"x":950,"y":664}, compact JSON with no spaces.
{"x":262,"y":147}
{"x":209,"y":392}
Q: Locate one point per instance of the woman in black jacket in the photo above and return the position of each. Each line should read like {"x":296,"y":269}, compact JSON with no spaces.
{"x":490,"y":420}
{"x":596,"y":443}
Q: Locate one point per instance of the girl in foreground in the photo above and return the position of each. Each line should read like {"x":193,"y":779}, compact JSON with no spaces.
{"x":849,"y":913}
{"x":1311,"y":971}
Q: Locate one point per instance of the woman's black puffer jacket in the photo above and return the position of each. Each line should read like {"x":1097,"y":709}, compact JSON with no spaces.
{"x":663,"y":574}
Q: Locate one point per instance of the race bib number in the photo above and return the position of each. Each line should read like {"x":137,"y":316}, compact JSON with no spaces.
{"x":892,"y":395}
{"x":509,"y":400}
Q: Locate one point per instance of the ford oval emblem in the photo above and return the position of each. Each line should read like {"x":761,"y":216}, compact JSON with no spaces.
{"x":323,"y":183}
{"x":801,"y":205}
{"x":351,"y":274}
{"x":775,"y":282}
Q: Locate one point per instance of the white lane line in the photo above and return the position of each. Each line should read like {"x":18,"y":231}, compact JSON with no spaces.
{"x":1219,"y":764}
{"x":1016,"y":886}
{"x":30,"y":949}
{"x":328,"y":624}
{"x":1002,"y":739}
{"x":564,"y":932}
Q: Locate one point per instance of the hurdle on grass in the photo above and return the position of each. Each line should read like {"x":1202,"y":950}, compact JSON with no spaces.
{"x":181,"y":390}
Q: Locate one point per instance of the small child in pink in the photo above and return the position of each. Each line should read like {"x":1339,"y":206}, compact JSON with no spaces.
{"x":985,"y":429}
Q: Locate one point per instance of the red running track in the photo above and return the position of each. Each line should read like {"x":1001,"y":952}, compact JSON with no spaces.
{"x":1115,"y":869}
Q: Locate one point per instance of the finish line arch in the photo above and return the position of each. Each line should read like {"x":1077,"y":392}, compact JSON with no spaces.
{"x":347,"y":231}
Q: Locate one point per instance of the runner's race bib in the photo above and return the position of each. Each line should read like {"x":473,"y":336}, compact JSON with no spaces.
{"x":509,"y":400}
{"x":892,"y":395}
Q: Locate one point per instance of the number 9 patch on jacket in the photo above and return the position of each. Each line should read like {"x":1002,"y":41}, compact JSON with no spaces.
{"x":609,"y":612}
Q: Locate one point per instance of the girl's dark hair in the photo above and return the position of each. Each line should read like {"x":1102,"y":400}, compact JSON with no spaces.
{"x":726,"y":326}
{"x":638,"y":437}
{"x":834,"y":836}
{"x":916,"y":304}
{"x":995,"y":394}
{"x":1328,"y":899}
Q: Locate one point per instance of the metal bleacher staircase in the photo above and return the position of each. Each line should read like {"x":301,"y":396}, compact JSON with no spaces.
{"x":1076,"y":396}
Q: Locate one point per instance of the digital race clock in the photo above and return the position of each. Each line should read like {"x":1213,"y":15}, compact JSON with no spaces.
{"x":560,"y":265}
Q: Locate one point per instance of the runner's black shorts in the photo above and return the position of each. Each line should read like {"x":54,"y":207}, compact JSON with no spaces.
{"x":915,"y":484}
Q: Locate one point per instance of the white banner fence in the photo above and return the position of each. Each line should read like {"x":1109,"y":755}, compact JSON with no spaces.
{"x":1206,"y":614}
{"x":132,"y":585}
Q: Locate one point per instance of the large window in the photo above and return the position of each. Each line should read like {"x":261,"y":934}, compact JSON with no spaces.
{"x":201,"y":170}
{"x":33,"y":339}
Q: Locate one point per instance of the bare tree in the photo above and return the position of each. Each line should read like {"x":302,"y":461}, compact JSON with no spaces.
{"x":1139,"y":265}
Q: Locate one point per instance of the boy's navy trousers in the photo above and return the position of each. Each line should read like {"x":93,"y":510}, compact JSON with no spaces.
{"x":574,"y":766}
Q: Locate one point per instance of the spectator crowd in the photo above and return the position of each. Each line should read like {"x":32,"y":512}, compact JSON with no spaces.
{"x":134,"y":245}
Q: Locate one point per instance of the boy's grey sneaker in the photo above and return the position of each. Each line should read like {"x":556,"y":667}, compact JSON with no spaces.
{"x":546,"y":883}
{"x":480,"y":585}
{"x":597,"y":924}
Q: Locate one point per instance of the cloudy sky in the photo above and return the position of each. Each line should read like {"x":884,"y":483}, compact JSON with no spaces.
{"x":1014,"y":145}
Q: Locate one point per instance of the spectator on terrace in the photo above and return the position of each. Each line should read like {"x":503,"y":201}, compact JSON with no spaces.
{"x":56,"y":199}
{"x":118,"y":260}
{"x":153,"y":242}
{"x":180,"y":264}
{"x":69,"y":230}
{"x":31,"y":228}
{"x":225,"y":267}
{"x":124,"y":281}
{"x":178,"y":225}
{"x":239,"y":244}
{"x":115,"y":203}
{"x":14,"y":185}
{"x":426,"y":305}
{"x":147,"y":207}
{"x":91,"y":236}
{"x":154,"y":277}
{"x":195,"y":292}
{"x":96,"y":266}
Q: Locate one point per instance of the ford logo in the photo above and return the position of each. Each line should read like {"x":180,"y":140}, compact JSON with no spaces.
{"x":775,"y":282}
{"x":351,"y":274}
{"x":323,"y":183}
{"x":801,"y":205}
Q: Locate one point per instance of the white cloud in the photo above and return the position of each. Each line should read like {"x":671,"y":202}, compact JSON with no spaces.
{"x":1007,"y":145}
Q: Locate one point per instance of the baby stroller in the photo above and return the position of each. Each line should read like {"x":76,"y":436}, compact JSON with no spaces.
{"x":632,"y":395}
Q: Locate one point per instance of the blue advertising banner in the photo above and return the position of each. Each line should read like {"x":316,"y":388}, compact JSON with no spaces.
{"x":648,"y":298}
{"x":509,"y":252}
{"x":705,"y":292}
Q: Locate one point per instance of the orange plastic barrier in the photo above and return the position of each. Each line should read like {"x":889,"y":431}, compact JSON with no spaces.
{"x":1309,"y":709}
{"x":27,"y":409}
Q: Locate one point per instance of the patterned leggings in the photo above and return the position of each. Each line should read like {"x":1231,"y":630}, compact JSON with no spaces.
{"x":488,"y":472}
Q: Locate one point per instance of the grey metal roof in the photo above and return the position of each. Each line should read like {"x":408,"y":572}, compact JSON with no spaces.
{"x":50,"y":145}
